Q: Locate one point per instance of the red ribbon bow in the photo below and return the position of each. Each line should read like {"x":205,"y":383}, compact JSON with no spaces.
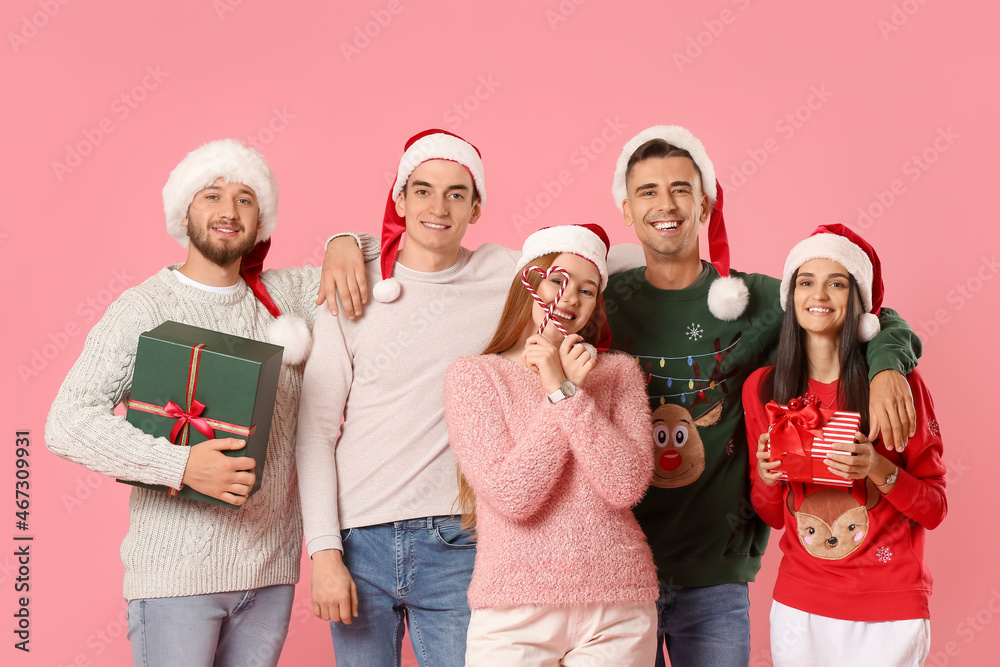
{"x":793,"y":431}
{"x":176,"y":412}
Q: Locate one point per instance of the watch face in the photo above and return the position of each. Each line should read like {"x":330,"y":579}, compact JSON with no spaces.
{"x":568,"y":388}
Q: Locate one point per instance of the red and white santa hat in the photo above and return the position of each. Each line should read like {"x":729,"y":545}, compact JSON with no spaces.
{"x":427,"y":145}
{"x":728,"y":296}
{"x":237,"y":163}
{"x":588,"y":241}
{"x":842,"y":245}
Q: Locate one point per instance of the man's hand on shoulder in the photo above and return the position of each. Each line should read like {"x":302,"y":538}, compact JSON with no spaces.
{"x":890,"y":410}
{"x":343,"y":274}
{"x":225,"y":478}
{"x":334,"y":593}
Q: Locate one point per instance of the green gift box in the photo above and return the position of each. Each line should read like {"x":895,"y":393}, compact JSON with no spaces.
{"x":192,"y":384}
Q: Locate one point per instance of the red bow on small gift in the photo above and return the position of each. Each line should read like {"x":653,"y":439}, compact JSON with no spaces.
{"x":793,"y":430}
{"x":175,"y":411}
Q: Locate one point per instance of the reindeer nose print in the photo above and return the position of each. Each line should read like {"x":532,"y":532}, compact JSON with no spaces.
{"x":670,"y":460}
{"x":832,"y":542}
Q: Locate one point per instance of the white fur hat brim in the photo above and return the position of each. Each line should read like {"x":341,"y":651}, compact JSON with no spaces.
{"x":675,"y":135}
{"x":572,"y":239}
{"x":838,"y":249}
{"x":440,"y":147}
{"x":233,"y":162}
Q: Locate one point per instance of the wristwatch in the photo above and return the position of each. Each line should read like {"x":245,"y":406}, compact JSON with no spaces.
{"x":565,"y":390}
{"x":891,"y":479}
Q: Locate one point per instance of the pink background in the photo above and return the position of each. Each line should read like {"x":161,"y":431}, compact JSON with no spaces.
{"x":542,"y":88}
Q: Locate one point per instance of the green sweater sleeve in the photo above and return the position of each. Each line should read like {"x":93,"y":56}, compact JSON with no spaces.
{"x":896,"y":347}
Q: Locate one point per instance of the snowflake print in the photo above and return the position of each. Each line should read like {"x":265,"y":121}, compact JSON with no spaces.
{"x":932,"y":426}
{"x":883,"y":554}
{"x":694,"y":331}
{"x":729,"y":448}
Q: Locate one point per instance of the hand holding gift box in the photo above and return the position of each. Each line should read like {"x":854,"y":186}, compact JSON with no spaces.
{"x":193,"y":385}
{"x":802,"y":435}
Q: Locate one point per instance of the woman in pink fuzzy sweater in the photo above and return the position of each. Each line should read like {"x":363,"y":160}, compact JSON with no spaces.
{"x":553,"y":439}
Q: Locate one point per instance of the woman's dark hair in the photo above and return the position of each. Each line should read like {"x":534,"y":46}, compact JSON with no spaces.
{"x":790,"y":377}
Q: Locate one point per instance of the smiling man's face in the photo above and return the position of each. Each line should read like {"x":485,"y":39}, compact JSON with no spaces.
{"x":222,"y":222}
{"x":439,"y":204}
{"x":667,"y":206}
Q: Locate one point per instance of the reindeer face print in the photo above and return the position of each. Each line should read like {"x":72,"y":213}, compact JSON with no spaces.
{"x":831,"y":523}
{"x":678,"y":449}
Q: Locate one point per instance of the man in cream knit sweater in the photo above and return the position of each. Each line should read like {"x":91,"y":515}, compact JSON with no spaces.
{"x":205,"y":584}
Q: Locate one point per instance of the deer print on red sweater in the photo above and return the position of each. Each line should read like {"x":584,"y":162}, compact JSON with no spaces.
{"x":831,"y":523}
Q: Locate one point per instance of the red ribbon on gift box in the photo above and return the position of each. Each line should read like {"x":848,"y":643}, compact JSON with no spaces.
{"x":190,"y":416}
{"x":793,"y":430}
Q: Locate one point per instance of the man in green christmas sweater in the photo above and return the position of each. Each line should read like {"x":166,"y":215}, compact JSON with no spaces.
{"x":698,"y":330}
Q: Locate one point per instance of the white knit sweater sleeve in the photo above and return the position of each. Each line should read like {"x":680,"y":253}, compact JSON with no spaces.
{"x":294,"y":290}
{"x":325,"y":387}
{"x":82,"y":426}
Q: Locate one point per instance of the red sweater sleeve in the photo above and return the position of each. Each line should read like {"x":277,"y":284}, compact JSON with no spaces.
{"x":919,"y":491}
{"x":610,"y":431}
{"x":767,"y":499}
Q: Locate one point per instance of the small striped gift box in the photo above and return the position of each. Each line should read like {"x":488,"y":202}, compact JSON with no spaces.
{"x":837,"y":427}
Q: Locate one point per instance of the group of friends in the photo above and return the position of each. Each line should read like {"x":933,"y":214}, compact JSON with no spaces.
{"x":552,"y":456}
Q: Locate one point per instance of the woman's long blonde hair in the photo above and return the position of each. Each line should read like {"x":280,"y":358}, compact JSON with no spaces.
{"x":515,"y":317}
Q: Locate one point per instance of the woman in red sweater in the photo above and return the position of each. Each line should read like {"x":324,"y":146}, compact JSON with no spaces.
{"x":553,"y":439}
{"x":852,"y":588}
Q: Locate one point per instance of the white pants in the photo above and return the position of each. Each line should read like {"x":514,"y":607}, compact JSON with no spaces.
{"x":578,"y":635}
{"x":798,"y":638}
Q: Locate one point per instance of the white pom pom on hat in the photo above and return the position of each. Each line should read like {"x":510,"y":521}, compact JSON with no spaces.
{"x":427,"y":145}
{"x":728,"y":295}
{"x":843,"y":245}
{"x":292,"y":333}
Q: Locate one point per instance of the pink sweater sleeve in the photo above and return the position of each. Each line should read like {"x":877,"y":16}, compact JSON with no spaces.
{"x":513,"y":474}
{"x":919,"y":491}
{"x":610,"y":432}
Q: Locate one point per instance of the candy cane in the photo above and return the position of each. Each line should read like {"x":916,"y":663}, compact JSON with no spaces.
{"x":550,"y":307}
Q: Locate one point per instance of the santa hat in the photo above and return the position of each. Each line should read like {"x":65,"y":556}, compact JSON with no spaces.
{"x":236,"y":163}
{"x":428,"y":145}
{"x":728,"y":296}
{"x":588,"y":241}
{"x":842,"y":245}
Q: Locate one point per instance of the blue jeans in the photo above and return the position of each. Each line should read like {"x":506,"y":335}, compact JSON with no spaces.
{"x":706,"y":626}
{"x":417,"y":571}
{"x":237,"y":629}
